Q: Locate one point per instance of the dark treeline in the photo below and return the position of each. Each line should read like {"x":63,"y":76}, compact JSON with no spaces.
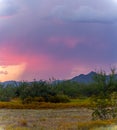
{"x":42,"y":91}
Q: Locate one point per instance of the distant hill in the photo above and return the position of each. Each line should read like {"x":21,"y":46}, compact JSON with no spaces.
{"x":10,"y":83}
{"x":88,"y":78}
{"x":82,"y":78}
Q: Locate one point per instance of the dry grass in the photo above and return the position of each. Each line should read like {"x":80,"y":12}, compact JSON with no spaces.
{"x":51,"y":119}
{"x":23,"y":122}
{"x":17,"y":104}
{"x":95,"y":124}
{"x":49,"y":116}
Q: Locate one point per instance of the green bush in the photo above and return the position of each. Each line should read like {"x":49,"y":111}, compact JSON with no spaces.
{"x":59,"y":99}
{"x":29,"y":100}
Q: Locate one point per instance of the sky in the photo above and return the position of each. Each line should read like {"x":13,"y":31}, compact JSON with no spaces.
{"x":40,"y":39}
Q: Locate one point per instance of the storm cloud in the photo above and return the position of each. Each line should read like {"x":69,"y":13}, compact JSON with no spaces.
{"x":57,"y":38}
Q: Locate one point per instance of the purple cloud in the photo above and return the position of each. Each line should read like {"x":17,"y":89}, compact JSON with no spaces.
{"x":85,"y":14}
{"x":55,"y":38}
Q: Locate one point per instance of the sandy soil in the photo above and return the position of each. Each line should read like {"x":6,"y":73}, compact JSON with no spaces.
{"x":44,"y":119}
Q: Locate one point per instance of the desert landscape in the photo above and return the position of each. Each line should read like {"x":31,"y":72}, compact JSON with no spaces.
{"x":58,"y":64}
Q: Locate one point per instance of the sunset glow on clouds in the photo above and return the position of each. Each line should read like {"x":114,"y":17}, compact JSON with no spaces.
{"x":11,"y":72}
{"x":56,"y":38}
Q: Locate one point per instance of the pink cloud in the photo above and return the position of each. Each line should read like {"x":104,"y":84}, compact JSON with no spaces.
{"x":37,"y":66}
{"x":70,"y":42}
{"x":45,"y":67}
{"x":10,"y":58}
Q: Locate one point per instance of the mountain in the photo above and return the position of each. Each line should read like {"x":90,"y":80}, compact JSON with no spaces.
{"x":10,"y":83}
{"x":88,"y":78}
{"x":82,"y":78}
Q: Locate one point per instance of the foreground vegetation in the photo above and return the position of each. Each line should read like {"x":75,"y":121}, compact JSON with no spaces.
{"x":57,"y":119}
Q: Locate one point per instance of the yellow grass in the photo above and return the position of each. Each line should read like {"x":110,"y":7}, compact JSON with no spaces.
{"x":17,"y":128}
{"x":17,"y":104}
{"x":95,"y":124}
{"x":52,"y":119}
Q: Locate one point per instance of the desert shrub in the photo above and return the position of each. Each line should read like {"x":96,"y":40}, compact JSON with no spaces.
{"x":100,"y":110}
{"x":69,"y":88}
{"x":7,"y":93}
{"x":38,"y":99}
{"x":59,"y":99}
{"x":29,"y":100}
{"x":35,"y":89}
{"x":104,"y":106}
{"x":5,"y":99}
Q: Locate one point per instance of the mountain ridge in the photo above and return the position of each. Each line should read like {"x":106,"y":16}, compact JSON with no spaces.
{"x":81,"y":78}
{"x":84,"y":78}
